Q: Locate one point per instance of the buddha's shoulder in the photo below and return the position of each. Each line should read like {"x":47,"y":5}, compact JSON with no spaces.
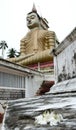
{"x":46,"y":31}
{"x":26,"y":37}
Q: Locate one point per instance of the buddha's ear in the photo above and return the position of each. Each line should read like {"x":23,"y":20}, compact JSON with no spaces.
{"x":44,"y":23}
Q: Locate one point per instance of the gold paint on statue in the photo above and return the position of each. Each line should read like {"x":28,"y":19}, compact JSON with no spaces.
{"x":36,"y":45}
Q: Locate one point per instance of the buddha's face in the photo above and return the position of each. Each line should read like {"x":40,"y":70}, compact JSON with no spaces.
{"x":32,"y":20}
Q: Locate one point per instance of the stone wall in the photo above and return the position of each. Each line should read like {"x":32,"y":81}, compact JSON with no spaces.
{"x":11,"y":94}
{"x":66,"y":62}
{"x":65,"y":58}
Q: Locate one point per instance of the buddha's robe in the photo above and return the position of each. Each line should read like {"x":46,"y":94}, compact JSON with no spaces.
{"x":36,"y":41}
{"x":35,"y":47}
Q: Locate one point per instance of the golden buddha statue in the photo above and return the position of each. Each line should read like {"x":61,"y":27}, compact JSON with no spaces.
{"x":35,"y":47}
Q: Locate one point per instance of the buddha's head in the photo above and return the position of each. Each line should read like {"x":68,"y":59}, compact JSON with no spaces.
{"x":33,"y":20}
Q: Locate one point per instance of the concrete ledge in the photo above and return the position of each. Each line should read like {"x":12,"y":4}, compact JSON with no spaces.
{"x":65,"y":86}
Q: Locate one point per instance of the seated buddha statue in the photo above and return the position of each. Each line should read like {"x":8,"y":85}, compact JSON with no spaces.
{"x":36,"y":45}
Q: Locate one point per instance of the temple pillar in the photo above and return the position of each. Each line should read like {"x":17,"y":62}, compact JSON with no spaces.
{"x":29,"y":87}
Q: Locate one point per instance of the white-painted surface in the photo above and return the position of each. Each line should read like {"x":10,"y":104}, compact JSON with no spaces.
{"x":65,"y":59}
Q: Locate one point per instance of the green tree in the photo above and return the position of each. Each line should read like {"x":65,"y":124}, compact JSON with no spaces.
{"x":3,"y":46}
{"x":13,"y":53}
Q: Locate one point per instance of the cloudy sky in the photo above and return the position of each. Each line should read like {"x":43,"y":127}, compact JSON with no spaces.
{"x":61,"y":15}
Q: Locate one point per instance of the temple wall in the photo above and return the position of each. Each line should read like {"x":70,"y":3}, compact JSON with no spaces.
{"x":12,"y":86}
{"x":65,"y":59}
{"x":18,"y":82}
{"x":33,"y":83}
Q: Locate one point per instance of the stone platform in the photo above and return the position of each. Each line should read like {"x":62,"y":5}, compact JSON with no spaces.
{"x":20,"y":114}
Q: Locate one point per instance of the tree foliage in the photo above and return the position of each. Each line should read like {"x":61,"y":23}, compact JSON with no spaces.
{"x":3,"y":46}
{"x":13,"y":53}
